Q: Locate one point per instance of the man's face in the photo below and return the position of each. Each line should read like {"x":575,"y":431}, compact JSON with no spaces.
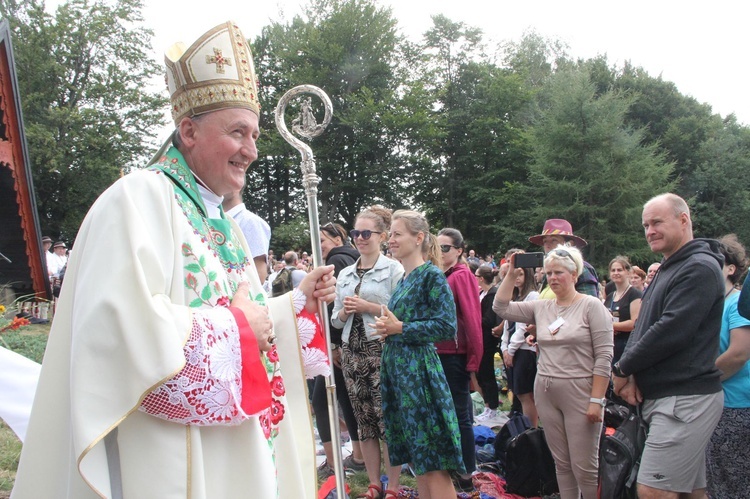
{"x":220,"y":146}
{"x":552,"y":242}
{"x":665,"y":232}
{"x":652,"y":272}
{"x":60,"y":250}
{"x":46,"y":246}
{"x":471,"y":253}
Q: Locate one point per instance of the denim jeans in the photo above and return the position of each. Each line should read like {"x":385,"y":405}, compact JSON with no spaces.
{"x":458,"y":379}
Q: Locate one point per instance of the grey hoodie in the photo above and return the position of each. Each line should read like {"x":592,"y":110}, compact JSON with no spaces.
{"x":673,"y":348}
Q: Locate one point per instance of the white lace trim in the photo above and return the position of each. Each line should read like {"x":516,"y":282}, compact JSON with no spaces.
{"x":208,"y":389}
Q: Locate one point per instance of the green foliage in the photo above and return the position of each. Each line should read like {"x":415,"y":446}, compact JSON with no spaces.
{"x":10,"y":454}
{"x":291,"y":235}
{"x":489,"y":142}
{"x":475,"y":149}
{"x":591,"y":169}
{"x":719,"y":189}
{"x":30,"y":346}
{"x":349,"y":49}
{"x":86,"y":113}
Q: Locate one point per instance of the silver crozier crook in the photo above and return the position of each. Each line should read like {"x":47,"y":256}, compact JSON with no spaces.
{"x":306,"y":126}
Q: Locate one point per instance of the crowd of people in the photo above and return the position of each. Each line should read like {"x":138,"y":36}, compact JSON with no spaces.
{"x":560,"y":330}
{"x":174,"y":374}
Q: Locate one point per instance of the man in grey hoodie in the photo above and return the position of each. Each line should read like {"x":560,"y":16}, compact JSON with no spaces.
{"x":669,"y":361}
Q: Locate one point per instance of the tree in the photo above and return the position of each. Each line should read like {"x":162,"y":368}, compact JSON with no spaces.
{"x":591,"y":169}
{"x":477,"y":149}
{"x":349,"y":48}
{"x":719,"y":189}
{"x":86,"y":113}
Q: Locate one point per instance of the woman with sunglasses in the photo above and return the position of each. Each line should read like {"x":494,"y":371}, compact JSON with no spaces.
{"x":575,"y":341}
{"x":420,"y":420}
{"x":336,"y":251}
{"x":361,"y":290}
{"x":461,"y":357}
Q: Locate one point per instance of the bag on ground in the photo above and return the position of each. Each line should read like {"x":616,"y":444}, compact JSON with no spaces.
{"x":620,"y":457}
{"x":529,"y":466}
{"x":517,"y":424}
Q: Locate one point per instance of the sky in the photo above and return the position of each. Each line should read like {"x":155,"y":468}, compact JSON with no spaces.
{"x":700,"y":46}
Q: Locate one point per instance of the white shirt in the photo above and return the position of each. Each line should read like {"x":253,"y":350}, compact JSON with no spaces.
{"x":257,"y":232}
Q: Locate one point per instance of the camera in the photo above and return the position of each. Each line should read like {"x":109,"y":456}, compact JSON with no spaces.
{"x":529,"y":260}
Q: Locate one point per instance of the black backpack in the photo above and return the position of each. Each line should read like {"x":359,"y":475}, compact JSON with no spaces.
{"x":529,"y":467}
{"x":620,"y":458}
{"x":282,"y":283}
{"x":517,"y":424}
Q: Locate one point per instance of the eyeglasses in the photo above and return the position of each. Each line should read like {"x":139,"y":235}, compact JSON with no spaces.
{"x":445,"y":248}
{"x":366,"y":234}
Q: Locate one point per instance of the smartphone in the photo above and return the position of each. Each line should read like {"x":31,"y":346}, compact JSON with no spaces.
{"x":529,"y":260}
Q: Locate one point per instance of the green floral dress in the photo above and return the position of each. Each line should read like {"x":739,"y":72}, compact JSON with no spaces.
{"x":420,"y":421}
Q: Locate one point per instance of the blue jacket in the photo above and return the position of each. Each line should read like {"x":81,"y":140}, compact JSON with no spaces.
{"x":377,"y":286}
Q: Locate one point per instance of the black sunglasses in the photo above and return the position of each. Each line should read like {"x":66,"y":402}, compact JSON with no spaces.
{"x":332,"y":230}
{"x":562,"y":253}
{"x":366,"y":234}
{"x":445,"y":248}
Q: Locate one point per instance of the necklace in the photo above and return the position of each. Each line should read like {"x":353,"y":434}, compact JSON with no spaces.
{"x":615,"y":298}
{"x":730,"y":292}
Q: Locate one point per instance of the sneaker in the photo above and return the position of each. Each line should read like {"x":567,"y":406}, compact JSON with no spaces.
{"x":462,"y":484}
{"x":483,"y":415}
{"x":350,"y":463}
{"x":324,"y":471}
{"x":490,"y":414}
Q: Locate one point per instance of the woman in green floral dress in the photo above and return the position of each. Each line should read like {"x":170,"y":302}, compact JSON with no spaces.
{"x":420,"y":420}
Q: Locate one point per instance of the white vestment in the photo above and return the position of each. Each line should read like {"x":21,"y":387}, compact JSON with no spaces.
{"x":141,"y":272}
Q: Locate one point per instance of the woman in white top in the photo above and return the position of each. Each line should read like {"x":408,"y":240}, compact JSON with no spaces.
{"x":575,"y":341}
{"x":519,"y":356}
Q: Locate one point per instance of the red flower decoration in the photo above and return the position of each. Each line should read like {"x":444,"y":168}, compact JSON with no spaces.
{"x":277,"y":385}
{"x":223,"y":301}
{"x":265,"y":423}
{"x":191,"y":281}
{"x":273,"y":354}
{"x":277,"y":411}
{"x":186,"y":250}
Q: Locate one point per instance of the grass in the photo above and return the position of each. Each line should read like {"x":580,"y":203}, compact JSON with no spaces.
{"x":10,"y":452}
{"x":30,"y":342}
{"x":359,"y":482}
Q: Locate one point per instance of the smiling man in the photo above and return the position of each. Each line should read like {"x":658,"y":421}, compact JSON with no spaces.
{"x":163,"y":372}
{"x":668,"y":362}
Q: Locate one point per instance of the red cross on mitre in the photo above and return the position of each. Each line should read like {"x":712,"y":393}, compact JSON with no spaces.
{"x":219,"y":60}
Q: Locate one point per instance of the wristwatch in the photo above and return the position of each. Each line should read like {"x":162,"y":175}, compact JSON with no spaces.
{"x":601,"y":402}
{"x":617,"y":371}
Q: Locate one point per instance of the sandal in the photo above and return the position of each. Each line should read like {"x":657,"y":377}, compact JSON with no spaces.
{"x":390,"y":493}
{"x":366,"y":495}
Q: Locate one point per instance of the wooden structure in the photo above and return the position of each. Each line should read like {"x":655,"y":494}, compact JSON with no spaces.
{"x":23,"y":265}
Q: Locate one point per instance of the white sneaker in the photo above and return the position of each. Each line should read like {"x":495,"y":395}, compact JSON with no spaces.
{"x":490,"y":414}
{"x":483,"y":415}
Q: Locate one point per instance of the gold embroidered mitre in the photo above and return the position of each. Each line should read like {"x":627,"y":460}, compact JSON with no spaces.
{"x":216,"y":72}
